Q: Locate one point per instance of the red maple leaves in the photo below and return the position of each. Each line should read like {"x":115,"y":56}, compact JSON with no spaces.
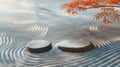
{"x":107,"y":14}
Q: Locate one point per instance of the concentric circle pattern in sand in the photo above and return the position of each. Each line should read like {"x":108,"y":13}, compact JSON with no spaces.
{"x":26,"y":28}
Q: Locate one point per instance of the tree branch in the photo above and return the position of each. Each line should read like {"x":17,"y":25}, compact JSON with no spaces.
{"x":104,"y":6}
{"x":110,"y":6}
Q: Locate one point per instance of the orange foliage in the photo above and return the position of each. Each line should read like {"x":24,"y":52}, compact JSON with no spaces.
{"x":73,"y":4}
{"x":108,"y":12}
{"x":113,"y":1}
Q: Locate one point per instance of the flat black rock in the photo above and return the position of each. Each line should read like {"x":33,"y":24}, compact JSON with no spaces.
{"x":72,"y":45}
{"x":38,"y":46}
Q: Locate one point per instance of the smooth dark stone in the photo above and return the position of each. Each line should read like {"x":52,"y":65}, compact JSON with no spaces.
{"x":75,"y":45}
{"x":38,"y":46}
